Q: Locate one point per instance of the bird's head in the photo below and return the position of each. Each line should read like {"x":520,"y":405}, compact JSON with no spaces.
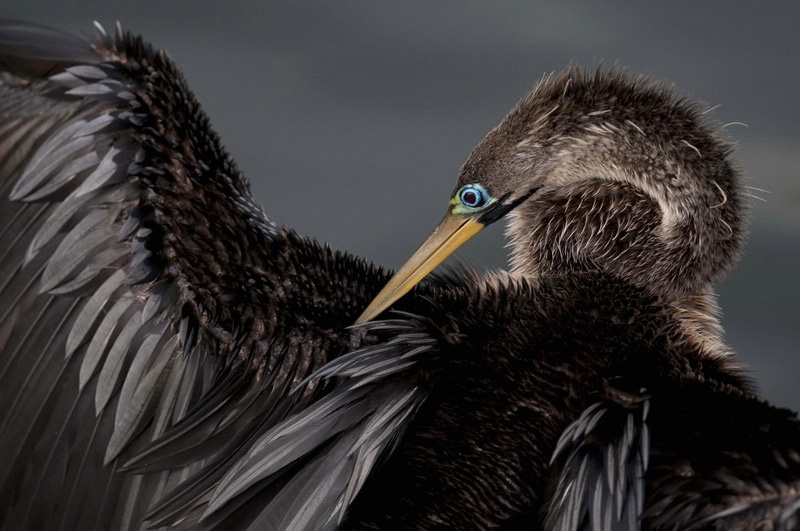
{"x":597,"y":171}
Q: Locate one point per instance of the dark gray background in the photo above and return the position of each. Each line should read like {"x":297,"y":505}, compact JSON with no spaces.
{"x":353,"y":118}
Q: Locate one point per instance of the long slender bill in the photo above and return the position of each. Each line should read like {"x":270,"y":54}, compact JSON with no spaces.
{"x":448,"y":236}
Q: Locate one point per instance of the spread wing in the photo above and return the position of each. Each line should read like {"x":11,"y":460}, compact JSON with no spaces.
{"x":316,"y":462}
{"x":150,"y":314}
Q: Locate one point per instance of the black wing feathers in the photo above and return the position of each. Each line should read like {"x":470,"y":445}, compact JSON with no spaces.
{"x":602,"y":458}
{"x":686,"y":454}
{"x":722,"y":459}
{"x":147,"y":305}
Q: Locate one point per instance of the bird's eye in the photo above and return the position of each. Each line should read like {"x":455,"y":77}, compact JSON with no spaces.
{"x":470,"y":198}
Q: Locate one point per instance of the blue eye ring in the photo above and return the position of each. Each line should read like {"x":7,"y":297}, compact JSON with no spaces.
{"x":470,"y":198}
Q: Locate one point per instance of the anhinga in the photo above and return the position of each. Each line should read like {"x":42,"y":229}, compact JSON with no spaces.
{"x":172,"y":358}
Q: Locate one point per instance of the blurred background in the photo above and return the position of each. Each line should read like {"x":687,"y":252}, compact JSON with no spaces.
{"x":352,"y":118}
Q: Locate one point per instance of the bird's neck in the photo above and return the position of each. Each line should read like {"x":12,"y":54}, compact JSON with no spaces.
{"x":618,"y":228}
{"x":615,"y":228}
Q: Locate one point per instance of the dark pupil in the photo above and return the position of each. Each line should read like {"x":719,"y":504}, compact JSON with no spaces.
{"x":470,"y":198}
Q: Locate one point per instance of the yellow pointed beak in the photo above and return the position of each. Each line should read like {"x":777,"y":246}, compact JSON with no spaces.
{"x":448,"y":236}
